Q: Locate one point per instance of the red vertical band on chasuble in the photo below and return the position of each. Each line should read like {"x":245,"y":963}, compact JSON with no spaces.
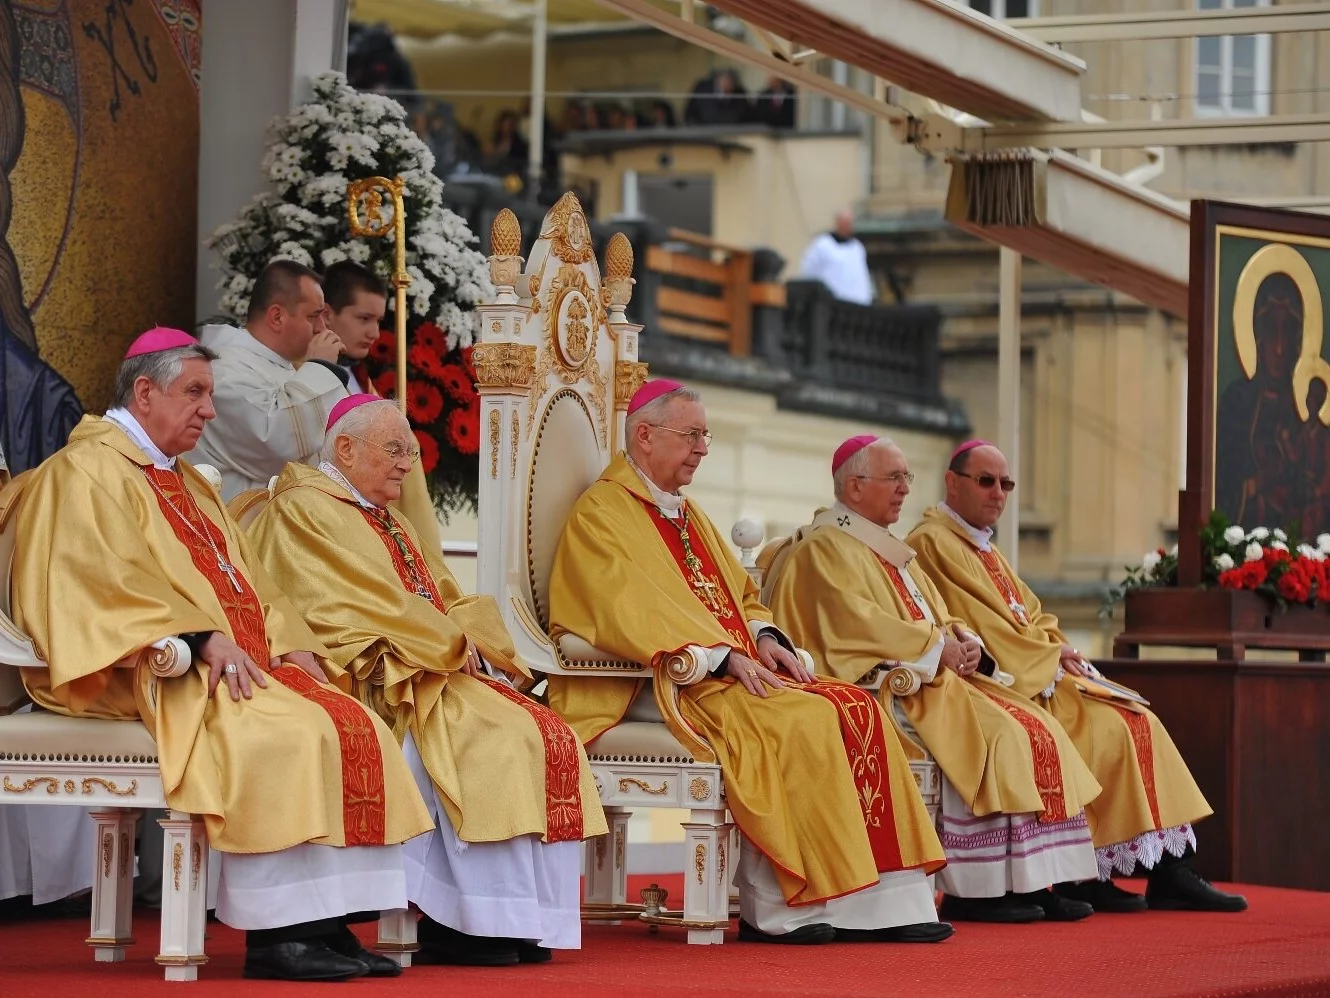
{"x":1047,"y":763}
{"x":862,"y":733}
{"x":364,"y":815}
{"x":1143,"y":741}
{"x":563,"y":764}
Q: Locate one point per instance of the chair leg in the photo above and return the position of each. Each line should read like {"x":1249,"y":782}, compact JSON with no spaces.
{"x":731,"y":867}
{"x":706,"y":892}
{"x":606,"y":862}
{"x":113,"y":885}
{"x":184,"y":892}
{"x":397,"y":935}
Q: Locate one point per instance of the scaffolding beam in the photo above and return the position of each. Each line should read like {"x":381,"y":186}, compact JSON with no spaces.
{"x":940,"y":134}
{"x":1140,"y":26}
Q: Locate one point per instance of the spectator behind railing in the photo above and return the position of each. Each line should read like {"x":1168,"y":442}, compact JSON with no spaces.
{"x":718,"y":99}
{"x":839,"y":261}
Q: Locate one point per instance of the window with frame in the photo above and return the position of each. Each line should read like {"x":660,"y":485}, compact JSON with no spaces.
{"x":1003,"y":9}
{"x":1232,"y":71}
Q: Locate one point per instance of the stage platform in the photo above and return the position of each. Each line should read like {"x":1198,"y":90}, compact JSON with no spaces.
{"x":1280,"y":947}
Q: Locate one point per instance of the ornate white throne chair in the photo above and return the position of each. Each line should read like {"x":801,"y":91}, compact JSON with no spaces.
{"x":556,"y":365}
{"x":49,"y":759}
{"x":899,"y":681}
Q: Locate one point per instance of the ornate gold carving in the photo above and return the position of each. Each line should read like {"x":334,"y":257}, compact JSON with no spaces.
{"x":69,"y":786}
{"x":571,"y":358}
{"x":52,"y":785}
{"x":494,"y":443}
{"x":504,"y":365}
{"x":110,"y":787}
{"x":108,"y":846}
{"x":618,"y":258}
{"x":653,"y":898}
{"x":124,"y":855}
{"x":496,"y":327}
{"x":628,"y":378}
{"x":512,"y":446}
{"x":646,"y":788}
{"x":618,"y":847}
{"x":720,"y":861}
{"x":903,"y":682}
{"x":177,"y":856}
{"x":699,"y":860}
{"x":505,"y":234}
{"x":600,"y":850}
{"x":577,"y":334}
{"x":195,"y":862}
{"x":568,"y":232}
{"x":699,"y":789}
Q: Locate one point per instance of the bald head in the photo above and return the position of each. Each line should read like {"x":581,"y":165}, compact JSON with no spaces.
{"x":978,"y":483}
{"x":874,"y":482}
{"x":845,"y":223}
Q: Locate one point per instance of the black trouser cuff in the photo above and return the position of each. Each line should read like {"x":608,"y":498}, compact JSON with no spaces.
{"x":255,"y":938}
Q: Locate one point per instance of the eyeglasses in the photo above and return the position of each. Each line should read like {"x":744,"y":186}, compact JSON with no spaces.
{"x":898,"y":479}
{"x":988,"y":481}
{"x":693,"y":435}
{"x":394,"y":450}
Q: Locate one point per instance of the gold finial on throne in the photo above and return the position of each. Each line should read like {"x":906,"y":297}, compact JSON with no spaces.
{"x":618,"y":276}
{"x":505,"y":250}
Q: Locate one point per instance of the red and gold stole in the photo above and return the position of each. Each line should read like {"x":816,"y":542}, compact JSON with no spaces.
{"x":563,"y":765}
{"x":862,"y":731}
{"x":1043,"y":746}
{"x":1141,"y":737}
{"x":1005,"y":586}
{"x":364,"y":816}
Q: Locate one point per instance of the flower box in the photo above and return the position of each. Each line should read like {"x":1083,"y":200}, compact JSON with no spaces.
{"x":1230,"y":620}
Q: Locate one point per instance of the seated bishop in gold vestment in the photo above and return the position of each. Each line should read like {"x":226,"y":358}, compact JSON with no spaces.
{"x":302,"y":790}
{"x":836,"y":841}
{"x":1014,"y":788}
{"x":507,"y":781}
{"x":1143,"y":817}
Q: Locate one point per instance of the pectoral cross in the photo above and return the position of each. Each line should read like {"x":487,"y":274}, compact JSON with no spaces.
{"x":1019,"y":610}
{"x":230,"y":571}
{"x":709,"y":593}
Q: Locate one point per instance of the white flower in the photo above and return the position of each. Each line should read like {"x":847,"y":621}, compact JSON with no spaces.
{"x":1236,"y":535}
{"x":1280,"y":535}
{"x":1258,"y":534}
{"x":1151,"y":561}
{"x":1224,"y":562}
{"x":333,"y":254}
{"x":1254,"y":552}
{"x":1279,"y":545}
{"x":1173,"y":550}
{"x":1307,"y":551}
{"x":1323,"y":542}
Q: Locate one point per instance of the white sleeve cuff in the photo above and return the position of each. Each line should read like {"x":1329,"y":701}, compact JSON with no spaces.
{"x":926,"y":667}
{"x":714,"y":657}
{"x":1057,"y":678}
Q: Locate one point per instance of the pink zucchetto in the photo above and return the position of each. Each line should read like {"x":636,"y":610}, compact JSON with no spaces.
{"x":850,"y":448}
{"x":969,"y":445}
{"x":651,"y":391}
{"x":345,"y":406}
{"x":158,"y":339}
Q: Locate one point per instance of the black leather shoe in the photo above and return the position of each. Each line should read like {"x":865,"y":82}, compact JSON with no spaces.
{"x":804,"y":935}
{"x":301,"y":960}
{"x":532,"y":953}
{"x":1006,"y":910}
{"x":1057,"y":908}
{"x":441,"y":945}
{"x":1177,"y":887}
{"x":920,"y":932}
{"x":1101,"y":895}
{"x":346,"y":943}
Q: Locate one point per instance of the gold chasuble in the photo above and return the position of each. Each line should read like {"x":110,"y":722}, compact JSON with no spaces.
{"x":813,"y":776}
{"x":394,"y":619}
{"x":849,"y":604}
{"x":115,"y":555}
{"x":1146,"y":785}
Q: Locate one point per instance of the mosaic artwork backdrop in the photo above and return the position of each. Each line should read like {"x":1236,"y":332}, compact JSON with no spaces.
{"x":99,"y":138}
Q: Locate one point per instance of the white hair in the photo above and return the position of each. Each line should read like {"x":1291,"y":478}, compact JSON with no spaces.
{"x":354,"y":423}
{"x":654,"y":410}
{"x":856,"y":465}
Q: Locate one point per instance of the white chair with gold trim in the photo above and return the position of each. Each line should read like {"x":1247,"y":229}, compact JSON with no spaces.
{"x":899,"y":681}
{"x":556,"y":365}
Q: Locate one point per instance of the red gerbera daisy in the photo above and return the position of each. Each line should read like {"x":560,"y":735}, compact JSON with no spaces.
{"x":457,"y":384}
{"x":429,"y":451}
{"x":424,"y":402}
{"x":384,"y":349}
{"x":426,"y":361}
{"x":463,"y":428}
{"x":467,"y":363}
{"x":386,"y":383}
{"x":432,"y":338}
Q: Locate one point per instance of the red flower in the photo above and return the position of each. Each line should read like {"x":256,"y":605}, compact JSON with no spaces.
{"x":429,"y":450}
{"x":468,"y":363}
{"x":386,"y":383}
{"x":1274,"y":556}
{"x":455,"y":382}
{"x":432,"y":338}
{"x":426,"y":361}
{"x":1248,"y":576}
{"x":463,"y":428}
{"x":384,"y":349}
{"x":424,"y":402}
{"x":1294,"y":587}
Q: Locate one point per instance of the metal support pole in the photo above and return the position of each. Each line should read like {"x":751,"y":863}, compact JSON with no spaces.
{"x":536,"y":138}
{"x":1009,"y":390}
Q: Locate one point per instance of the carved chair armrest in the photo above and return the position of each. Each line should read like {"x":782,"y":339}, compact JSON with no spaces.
{"x":899,"y":681}
{"x":166,"y":659}
{"x":578,"y":650}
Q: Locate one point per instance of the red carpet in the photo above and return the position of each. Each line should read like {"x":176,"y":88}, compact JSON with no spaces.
{"x":1281,"y":947}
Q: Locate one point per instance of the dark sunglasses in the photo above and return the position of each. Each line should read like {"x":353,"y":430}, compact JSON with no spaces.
{"x":988,"y":481}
